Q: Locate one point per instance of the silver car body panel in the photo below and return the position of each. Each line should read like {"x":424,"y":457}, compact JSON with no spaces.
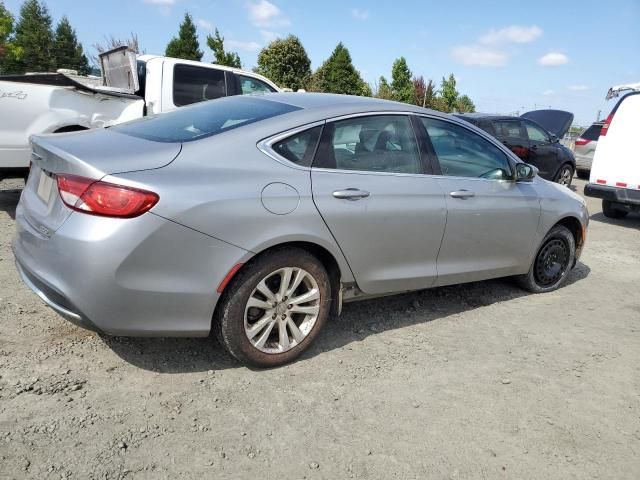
{"x":228,"y":197}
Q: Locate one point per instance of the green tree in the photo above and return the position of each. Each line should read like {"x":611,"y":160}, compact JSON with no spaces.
{"x":465,"y":105}
{"x":449,"y":93}
{"x":401,"y":83}
{"x":67,"y":51}
{"x":285,"y":61}
{"x":8,"y":51}
{"x":230,"y":59}
{"x":384,"y":89}
{"x":338,"y":75}
{"x":33,"y":38}
{"x":185,"y":45}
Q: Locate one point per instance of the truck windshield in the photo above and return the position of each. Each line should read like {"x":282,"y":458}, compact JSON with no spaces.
{"x":204,"y":119}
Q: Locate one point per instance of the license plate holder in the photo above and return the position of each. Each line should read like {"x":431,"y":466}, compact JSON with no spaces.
{"x":45,"y":185}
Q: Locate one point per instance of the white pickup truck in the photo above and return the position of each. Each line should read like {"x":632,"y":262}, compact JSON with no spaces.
{"x":131,"y":87}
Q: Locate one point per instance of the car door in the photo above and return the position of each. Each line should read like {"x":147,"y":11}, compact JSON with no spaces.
{"x":542,"y":152}
{"x":513,"y":135}
{"x":388,"y":217}
{"x":491,"y":219}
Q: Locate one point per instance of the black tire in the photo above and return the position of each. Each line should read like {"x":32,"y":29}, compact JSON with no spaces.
{"x":583,"y":174}
{"x":546,"y":274}
{"x":611,"y":212}
{"x":229,"y":318}
{"x":564,"y":175}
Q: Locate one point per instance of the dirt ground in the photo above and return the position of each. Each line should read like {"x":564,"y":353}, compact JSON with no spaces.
{"x":473,"y":381}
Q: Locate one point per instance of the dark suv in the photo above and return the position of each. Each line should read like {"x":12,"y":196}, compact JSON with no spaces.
{"x":534,"y":138}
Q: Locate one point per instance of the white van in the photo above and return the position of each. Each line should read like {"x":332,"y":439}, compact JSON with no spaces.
{"x":615,"y":173}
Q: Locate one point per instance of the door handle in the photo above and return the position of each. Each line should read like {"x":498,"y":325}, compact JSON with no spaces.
{"x":351,"y":194}
{"x":463,"y":194}
{"x":534,"y":147}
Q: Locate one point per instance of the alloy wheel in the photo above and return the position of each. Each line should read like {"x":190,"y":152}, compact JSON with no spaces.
{"x":282,"y":310}
{"x":565,"y":176}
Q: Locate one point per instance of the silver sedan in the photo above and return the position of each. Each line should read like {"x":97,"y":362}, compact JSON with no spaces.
{"x":256,"y":217}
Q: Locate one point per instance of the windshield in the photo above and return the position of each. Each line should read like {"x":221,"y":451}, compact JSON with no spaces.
{"x":204,"y":119}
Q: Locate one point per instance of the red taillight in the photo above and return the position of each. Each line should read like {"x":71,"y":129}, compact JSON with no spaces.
{"x":105,"y":199}
{"x":582,"y":141}
{"x":606,"y":125}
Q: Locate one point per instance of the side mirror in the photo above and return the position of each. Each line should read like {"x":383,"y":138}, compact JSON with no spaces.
{"x":525,"y":172}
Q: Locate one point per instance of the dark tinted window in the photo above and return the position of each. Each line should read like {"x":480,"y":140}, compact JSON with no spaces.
{"x":198,"y":121}
{"x":379,"y":143}
{"x":462,"y":153}
{"x":592,"y":133}
{"x":142,"y":77}
{"x":299,"y":148}
{"x":196,"y":84}
{"x":250,"y":85}
{"x":507,"y":128}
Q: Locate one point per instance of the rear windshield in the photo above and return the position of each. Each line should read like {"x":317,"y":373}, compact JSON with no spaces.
{"x":204,"y":119}
{"x":592,"y":133}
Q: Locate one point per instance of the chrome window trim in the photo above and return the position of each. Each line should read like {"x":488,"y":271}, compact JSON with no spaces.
{"x":266,"y":145}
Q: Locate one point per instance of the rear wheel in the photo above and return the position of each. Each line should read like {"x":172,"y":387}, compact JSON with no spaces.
{"x":611,"y":211}
{"x":565,"y":175}
{"x":552,"y":263}
{"x":274,"y":308}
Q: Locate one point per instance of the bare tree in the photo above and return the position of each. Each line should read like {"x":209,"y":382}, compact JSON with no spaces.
{"x":111,"y":42}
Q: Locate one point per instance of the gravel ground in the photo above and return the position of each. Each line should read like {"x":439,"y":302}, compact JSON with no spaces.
{"x":473,"y":381}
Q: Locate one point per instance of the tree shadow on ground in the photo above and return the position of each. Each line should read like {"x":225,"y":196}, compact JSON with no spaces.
{"x":358,"y":321}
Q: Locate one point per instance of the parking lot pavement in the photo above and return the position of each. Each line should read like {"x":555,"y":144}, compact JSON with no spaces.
{"x":473,"y":381}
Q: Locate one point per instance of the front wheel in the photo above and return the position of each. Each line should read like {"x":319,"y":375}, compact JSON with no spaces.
{"x":611,"y":212}
{"x":565,"y":175}
{"x":274,"y":308}
{"x":552,"y":263}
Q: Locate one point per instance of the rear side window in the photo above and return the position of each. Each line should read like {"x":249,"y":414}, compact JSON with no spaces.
{"x":463,"y":153}
{"x":299,"y":148}
{"x":379,"y":143}
{"x":199,"y":121}
{"x":196,"y":84}
{"x":249,"y":85}
{"x":507,"y":128}
{"x":592,"y":133}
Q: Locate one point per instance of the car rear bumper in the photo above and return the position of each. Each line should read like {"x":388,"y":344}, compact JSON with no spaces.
{"x":623,"y":196}
{"x":583,"y":162}
{"x":145,"y":276}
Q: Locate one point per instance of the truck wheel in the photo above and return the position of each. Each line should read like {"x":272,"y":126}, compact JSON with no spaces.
{"x":611,"y":212}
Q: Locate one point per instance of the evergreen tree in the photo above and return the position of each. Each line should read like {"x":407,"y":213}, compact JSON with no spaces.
{"x":449,"y":93}
{"x":185,"y":45}
{"x":338,"y":75}
{"x":8,"y":51}
{"x":230,"y":59}
{"x":465,"y":105}
{"x":34,"y":39}
{"x":401,"y":83}
{"x":67,"y":51}
{"x":285,"y":61}
{"x":384,"y":89}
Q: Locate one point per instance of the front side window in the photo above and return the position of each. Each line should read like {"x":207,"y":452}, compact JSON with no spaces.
{"x":250,"y":85}
{"x":196,"y":84}
{"x":300,"y":147}
{"x":535,"y":133}
{"x":463,"y":153}
{"x":379,"y":143}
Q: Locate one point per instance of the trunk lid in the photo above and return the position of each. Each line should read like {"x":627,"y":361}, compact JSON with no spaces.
{"x":93,"y":154}
{"x":557,"y":122}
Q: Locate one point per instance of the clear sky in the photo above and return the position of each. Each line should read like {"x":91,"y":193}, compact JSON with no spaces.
{"x":508,"y":56}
